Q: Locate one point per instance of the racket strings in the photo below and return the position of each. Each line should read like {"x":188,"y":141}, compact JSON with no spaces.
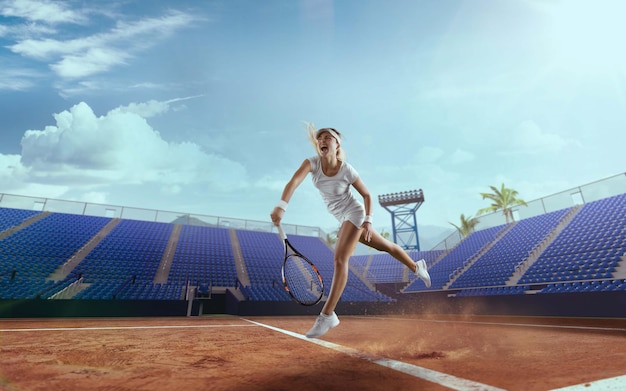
{"x":302,"y":280}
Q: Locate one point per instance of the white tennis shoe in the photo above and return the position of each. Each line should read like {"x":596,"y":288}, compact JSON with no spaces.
{"x":323,"y":323}
{"x":421,"y":270}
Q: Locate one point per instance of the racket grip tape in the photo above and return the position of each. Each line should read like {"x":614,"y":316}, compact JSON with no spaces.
{"x":281,"y":232}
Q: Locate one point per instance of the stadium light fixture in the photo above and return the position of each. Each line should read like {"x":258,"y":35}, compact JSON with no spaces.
{"x":405,"y":197}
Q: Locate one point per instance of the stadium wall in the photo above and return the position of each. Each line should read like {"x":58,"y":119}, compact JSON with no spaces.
{"x":105,"y":308}
{"x":588,"y":304}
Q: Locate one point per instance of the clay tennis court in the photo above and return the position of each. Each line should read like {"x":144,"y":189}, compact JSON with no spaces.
{"x":270,"y":353}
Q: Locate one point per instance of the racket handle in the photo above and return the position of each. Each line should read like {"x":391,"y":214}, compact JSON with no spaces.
{"x":281,"y":232}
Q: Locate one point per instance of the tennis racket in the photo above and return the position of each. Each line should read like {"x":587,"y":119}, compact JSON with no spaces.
{"x":301,"y":278}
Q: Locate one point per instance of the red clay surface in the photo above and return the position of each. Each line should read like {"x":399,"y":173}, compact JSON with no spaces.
{"x":230,"y":353}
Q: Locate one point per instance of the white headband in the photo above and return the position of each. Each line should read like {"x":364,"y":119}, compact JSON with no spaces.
{"x":332,"y":132}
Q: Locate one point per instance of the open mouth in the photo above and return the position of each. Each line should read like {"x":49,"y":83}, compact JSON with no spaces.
{"x":324,"y":149}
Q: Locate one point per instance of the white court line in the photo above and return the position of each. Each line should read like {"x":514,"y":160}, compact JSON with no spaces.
{"x":498,"y":323}
{"x":124,"y":328}
{"x":615,"y":383}
{"x":453,"y":382}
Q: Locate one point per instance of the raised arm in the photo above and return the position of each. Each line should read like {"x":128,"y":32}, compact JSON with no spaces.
{"x":290,"y":188}
{"x":367,"y":203}
{"x":365,"y":193}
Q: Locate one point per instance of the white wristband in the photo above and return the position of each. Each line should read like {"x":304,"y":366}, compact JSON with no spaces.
{"x":368,"y":219}
{"x":282,"y":205}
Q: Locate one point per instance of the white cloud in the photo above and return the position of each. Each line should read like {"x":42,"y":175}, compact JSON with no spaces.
{"x":120,"y":147}
{"x":15,"y":180}
{"x":460,"y":156}
{"x":271,"y":183}
{"x":530,"y":138}
{"x":149,"y":86}
{"x":85,"y":56}
{"x":70,"y":88}
{"x":10,"y":168}
{"x":15,"y":79}
{"x":153,"y":107}
{"x":95,"y":197}
{"x":145,"y":109}
{"x":171,"y":189}
{"x":45,"y":11}
{"x":89,"y":62}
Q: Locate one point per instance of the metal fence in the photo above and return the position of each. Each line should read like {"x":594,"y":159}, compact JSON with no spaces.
{"x":593,"y":191}
{"x":124,"y":212}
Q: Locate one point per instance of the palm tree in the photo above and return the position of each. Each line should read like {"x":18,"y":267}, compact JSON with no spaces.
{"x":504,"y":199}
{"x":467,"y":225}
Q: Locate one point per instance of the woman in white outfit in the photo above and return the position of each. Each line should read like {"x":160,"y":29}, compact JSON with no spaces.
{"x":333,"y":176}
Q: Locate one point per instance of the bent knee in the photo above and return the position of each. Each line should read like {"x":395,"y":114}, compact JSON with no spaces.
{"x":341,"y":261}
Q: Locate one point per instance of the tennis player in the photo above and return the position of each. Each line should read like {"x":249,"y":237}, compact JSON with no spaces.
{"x":333,"y":176}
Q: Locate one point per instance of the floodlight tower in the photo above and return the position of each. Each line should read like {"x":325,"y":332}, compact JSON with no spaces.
{"x":402,"y":207}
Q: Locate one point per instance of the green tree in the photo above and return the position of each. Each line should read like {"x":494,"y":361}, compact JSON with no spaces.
{"x":331,"y":238}
{"x":502,"y":199}
{"x":467,"y":225}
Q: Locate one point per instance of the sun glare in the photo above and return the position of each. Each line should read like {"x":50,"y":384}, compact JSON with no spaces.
{"x":587,"y":36}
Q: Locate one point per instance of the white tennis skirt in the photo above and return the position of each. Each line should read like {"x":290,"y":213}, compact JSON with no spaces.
{"x":354,"y":213}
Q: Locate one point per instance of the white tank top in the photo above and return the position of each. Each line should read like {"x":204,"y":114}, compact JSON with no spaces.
{"x":335,"y":190}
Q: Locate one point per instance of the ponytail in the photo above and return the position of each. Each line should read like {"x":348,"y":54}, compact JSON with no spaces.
{"x":312,"y":133}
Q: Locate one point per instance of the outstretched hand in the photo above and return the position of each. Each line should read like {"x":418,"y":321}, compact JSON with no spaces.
{"x":277,"y":215}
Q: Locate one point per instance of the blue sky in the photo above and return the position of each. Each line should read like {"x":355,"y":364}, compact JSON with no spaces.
{"x":198,"y":106}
